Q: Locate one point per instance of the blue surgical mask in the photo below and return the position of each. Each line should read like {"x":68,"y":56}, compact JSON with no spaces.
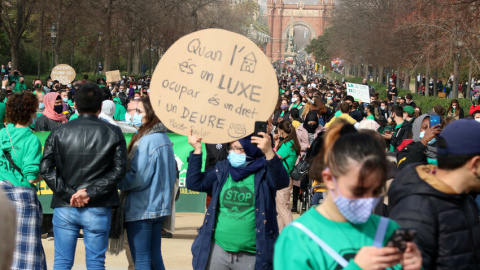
{"x":128,"y":118}
{"x":41,"y":106}
{"x":382,"y":108}
{"x":237,"y":160}
{"x":356,"y":211}
{"x":65,"y":100}
{"x":137,"y":120}
{"x":69,"y":86}
{"x":431,"y":142}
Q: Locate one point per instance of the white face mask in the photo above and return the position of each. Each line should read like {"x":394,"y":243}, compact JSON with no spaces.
{"x":454,"y":107}
{"x":477,"y":119}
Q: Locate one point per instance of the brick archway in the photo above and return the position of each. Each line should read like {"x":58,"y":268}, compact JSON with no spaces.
{"x":279,"y":16}
{"x":308,"y":25}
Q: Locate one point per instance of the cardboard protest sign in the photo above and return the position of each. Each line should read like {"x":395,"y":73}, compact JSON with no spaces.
{"x":113,"y":76}
{"x":358,"y":92}
{"x":63,"y":73}
{"x":216,"y":82}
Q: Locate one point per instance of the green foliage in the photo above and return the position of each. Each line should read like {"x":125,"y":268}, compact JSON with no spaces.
{"x":425,"y":103}
{"x":318,"y":47}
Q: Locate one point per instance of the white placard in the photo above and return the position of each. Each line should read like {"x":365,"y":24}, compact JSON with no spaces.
{"x":358,"y":92}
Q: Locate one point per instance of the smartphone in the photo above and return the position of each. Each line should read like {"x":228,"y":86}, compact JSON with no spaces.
{"x":15,"y":73}
{"x":400,"y":237}
{"x":434,"y":120}
{"x":260,"y":126}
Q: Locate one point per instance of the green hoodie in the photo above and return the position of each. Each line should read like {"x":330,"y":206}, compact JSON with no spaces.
{"x":120,"y":110}
{"x":27,"y":155}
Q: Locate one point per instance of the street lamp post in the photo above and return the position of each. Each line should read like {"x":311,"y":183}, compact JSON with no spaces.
{"x":99,"y":40}
{"x":155,"y":46}
{"x":53,"y":35}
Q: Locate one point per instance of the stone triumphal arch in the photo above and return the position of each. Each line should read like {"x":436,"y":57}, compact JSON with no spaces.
{"x":307,"y":20}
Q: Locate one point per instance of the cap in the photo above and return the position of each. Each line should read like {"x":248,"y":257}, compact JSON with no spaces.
{"x":409,"y":109}
{"x":459,"y":138}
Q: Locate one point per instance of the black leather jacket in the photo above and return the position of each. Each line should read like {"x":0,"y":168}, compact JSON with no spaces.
{"x":86,"y":153}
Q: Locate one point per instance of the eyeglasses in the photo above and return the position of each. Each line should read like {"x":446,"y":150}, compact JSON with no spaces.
{"x":235,"y":149}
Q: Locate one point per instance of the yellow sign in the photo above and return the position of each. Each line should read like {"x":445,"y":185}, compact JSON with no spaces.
{"x":216,"y":82}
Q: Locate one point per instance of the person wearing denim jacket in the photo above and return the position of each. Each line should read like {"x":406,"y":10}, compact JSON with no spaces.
{"x":149,"y":183}
{"x":271,"y":177}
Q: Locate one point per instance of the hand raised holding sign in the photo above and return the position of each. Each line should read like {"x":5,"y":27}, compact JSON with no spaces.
{"x":196,"y":142}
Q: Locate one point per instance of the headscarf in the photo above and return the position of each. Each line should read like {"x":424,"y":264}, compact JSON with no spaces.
{"x":49,"y":101}
{"x":311,"y":116}
{"x":108,"y":111}
{"x":255,"y":160}
{"x":417,"y":125}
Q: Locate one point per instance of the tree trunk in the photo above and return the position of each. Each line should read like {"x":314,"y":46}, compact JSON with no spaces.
{"x":416,"y":81}
{"x":150,"y":62}
{"x":365,"y":70}
{"x":137,"y":54}
{"x":469,"y":87}
{"x":380,"y":74}
{"x":375,"y":74}
{"x":435,"y":89}
{"x":398,"y":82}
{"x":108,"y":37}
{"x":130,"y":57}
{"x":456,"y":65}
{"x":40,"y":45}
{"x":427,"y":80}
{"x":406,"y":82}
{"x":15,"y":52}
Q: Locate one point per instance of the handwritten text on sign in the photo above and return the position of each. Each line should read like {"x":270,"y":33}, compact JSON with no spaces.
{"x":216,"y":82}
{"x":358,"y":92}
{"x":63,"y":73}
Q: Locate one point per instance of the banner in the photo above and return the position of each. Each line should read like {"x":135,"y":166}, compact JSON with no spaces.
{"x":189,"y":201}
{"x":359,"y":92}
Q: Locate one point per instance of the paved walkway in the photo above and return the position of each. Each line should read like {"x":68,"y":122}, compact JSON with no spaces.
{"x":175,"y":251}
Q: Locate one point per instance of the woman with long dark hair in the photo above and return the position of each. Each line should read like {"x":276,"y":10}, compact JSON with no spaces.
{"x":342,"y":233}
{"x":148,"y":183}
{"x":287,"y":149}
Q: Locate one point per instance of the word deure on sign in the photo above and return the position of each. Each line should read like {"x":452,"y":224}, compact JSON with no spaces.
{"x":215,"y":82}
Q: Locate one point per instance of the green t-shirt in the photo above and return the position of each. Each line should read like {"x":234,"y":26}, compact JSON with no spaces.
{"x":371,"y":117}
{"x":71,"y":103}
{"x":235,"y":227}
{"x":288,"y":155}
{"x":296,"y":250}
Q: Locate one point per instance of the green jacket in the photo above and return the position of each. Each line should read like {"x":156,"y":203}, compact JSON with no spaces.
{"x":120,"y":110}
{"x":27,"y":155}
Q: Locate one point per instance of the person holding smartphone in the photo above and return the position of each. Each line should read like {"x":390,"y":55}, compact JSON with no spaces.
{"x":243,"y":191}
{"x":342,"y":233}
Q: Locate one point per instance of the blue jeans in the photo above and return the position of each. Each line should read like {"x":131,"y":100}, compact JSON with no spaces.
{"x":67,"y":222}
{"x":144,"y":239}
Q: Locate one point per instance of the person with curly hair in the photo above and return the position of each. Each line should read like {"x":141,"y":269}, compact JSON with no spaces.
{"x":52,"y":114}
{"x":20,"y":156}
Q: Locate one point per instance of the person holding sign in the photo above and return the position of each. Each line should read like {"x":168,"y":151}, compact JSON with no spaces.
{"x":243,"y":201}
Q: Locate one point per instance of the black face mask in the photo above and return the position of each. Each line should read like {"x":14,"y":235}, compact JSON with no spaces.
{"x":281,"y":138}
{"x":58,"y":109}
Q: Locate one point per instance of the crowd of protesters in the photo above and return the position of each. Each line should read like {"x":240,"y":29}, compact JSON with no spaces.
{"x":379,"y":172}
